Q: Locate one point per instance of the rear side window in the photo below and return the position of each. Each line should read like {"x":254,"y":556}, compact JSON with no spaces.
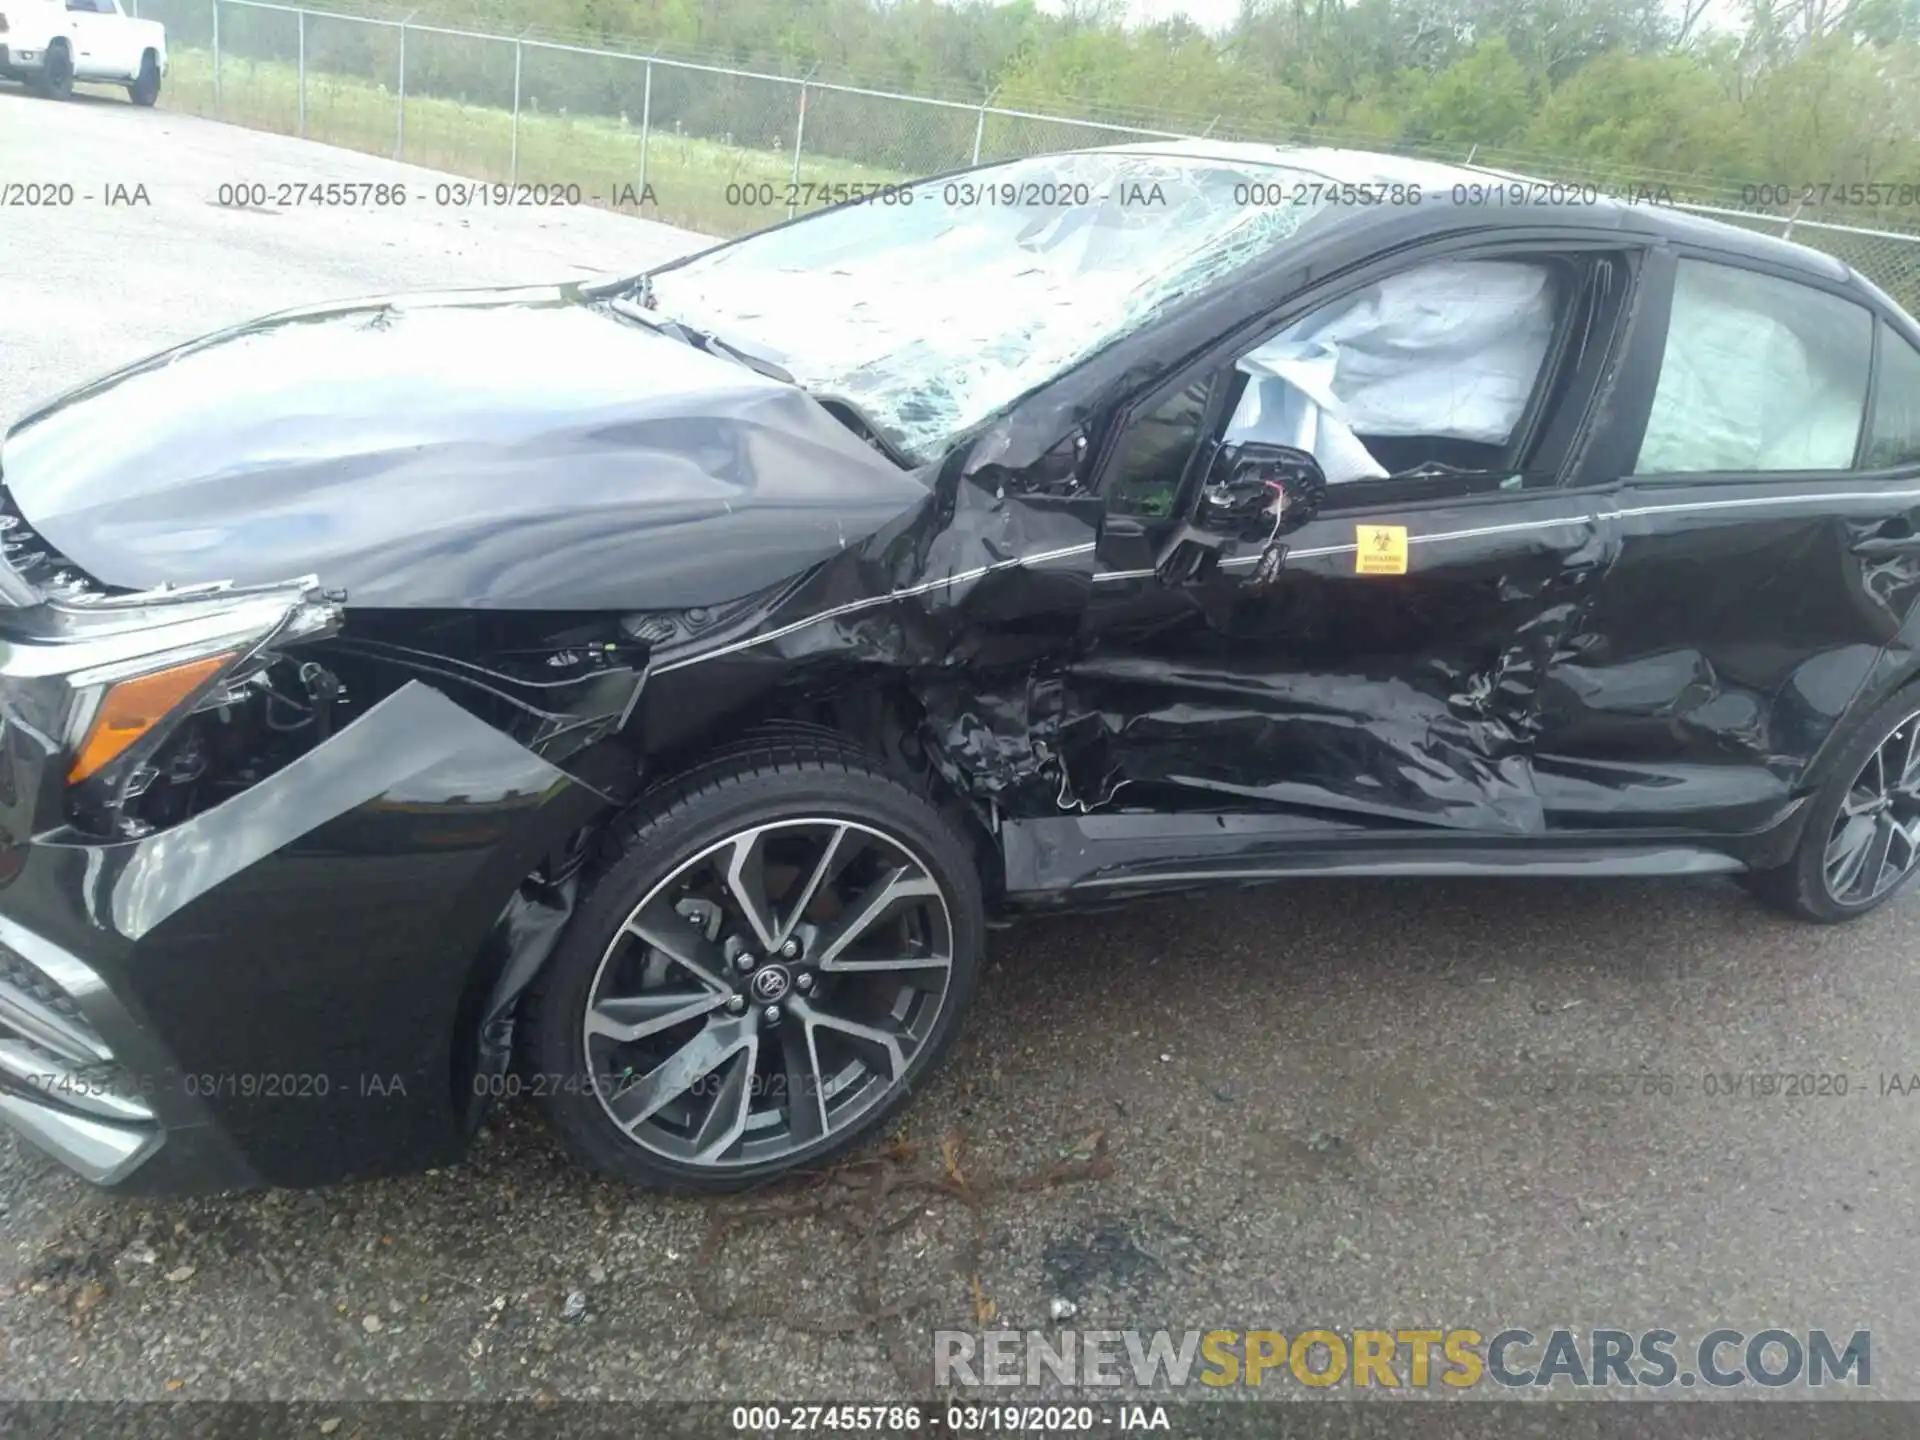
{"x":1894,"y":436}
{"x":1759,"y":374}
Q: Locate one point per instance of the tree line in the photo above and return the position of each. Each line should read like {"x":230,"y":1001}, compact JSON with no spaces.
{"x":1792,"y":92}
{"x":1803,"y":95}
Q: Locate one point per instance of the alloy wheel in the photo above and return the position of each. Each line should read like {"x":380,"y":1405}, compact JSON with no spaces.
{"x":769,"y":992}
{"x":1875,"y":841}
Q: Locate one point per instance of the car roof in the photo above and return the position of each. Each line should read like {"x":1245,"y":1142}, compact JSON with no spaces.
{"x":1342,"y":166}
{"x":1645,"y":216}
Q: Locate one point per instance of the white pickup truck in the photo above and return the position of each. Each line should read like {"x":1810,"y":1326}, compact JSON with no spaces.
{"x":52,"y":43}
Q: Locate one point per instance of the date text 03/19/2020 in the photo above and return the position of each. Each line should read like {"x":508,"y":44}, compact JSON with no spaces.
{"x":959,"y":1419}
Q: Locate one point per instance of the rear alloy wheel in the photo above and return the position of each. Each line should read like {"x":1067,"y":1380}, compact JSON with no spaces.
{"x":56,"y":74}
{"x":146,"y":87}
{"x":1862,"y":841}
{"x":783,"y":948}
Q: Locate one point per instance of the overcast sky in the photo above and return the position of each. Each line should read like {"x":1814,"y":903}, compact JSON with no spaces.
{"x":1210,"y":14}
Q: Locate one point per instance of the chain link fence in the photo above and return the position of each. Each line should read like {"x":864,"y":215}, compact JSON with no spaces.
{"x":726,"y":150}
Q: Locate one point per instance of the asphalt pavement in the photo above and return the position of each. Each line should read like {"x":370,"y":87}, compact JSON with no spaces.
{"x":1331,"y":1105}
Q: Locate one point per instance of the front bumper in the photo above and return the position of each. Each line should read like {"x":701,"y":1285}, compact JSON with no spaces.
{"x":285,"y":989}
{"x":60,"y":1085}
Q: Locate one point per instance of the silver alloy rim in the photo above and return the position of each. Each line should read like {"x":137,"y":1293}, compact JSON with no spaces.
{"x":1876,"y":836}
{"x":768,"y":993}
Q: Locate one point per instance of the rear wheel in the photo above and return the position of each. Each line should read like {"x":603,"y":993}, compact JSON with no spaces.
{"x":1861,"y":845}
{"x":146,"y":86}
{"x":777,"y":949}
{"x":56,"y":75}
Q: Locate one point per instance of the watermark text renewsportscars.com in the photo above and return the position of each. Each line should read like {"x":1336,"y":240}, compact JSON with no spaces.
{"x":1454,"y":1357}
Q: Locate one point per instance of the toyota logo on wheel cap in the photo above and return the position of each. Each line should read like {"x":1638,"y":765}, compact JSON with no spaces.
{"x":770,"y":982}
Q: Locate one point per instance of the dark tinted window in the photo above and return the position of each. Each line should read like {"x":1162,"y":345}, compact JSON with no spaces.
{"x":1894,"y":436}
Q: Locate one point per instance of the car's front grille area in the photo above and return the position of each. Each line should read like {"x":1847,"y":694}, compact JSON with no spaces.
{"x":50,"y":1051}
{"x":30,"y":557}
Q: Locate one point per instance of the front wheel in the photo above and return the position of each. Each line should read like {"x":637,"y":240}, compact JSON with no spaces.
{"x":56,"y":73}
{"x":1861,"y":845}
{"x":146,"y":86}
{"x":777,"y":949}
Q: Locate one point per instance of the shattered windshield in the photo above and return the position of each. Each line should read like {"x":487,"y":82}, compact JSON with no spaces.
{"x":933,"y":306}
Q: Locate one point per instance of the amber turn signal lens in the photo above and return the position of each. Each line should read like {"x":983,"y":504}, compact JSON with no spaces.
{"x":133,"y":707}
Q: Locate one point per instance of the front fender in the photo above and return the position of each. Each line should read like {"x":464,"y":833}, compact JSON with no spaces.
{"x":283,"y":974}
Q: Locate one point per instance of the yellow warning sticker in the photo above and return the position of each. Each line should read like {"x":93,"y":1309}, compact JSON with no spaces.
{"x":1381,"y":550}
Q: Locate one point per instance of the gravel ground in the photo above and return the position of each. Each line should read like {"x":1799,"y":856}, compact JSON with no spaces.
{"x":1287,"y":1090}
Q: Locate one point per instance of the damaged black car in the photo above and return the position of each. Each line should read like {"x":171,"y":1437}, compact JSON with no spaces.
{"x":645,"y":695}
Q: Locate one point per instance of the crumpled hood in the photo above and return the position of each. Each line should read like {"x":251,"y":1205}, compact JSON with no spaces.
{"x":509,"y":449}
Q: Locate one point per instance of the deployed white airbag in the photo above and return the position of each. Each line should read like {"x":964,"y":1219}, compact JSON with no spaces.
{"x":1450,"y":350}
{"x":1759,"y":374}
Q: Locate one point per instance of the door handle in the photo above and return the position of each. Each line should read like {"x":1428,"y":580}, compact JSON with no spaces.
{"x":1894,"y":537}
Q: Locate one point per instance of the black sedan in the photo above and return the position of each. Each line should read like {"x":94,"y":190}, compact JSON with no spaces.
{"x":643,"y":696}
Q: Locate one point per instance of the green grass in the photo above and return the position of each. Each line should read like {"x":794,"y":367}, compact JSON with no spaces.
{"x":688,"y":178}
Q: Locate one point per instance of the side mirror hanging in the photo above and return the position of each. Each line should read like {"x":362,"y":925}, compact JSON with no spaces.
{"x":1253,"y":494}
{"x":1256,"y":491}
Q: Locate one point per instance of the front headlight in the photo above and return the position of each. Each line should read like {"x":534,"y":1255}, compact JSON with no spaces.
{"x":91,"y":689}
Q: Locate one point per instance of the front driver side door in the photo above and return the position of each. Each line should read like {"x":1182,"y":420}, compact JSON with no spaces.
{"x":1383,"y":686}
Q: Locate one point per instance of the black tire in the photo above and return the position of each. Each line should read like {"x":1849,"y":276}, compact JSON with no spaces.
{"x":1801,"y":887}
{"x":146,"y":88}
{"x":778,"y":784}
{"x":56,"y":75}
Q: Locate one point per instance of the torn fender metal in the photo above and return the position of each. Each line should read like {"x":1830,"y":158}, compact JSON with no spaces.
{"x":521,"y":943}
{"x":569,"y":691}
{"x":978,"y":591}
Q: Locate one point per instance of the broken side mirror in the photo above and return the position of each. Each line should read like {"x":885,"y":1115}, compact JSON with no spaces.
{"x":1252,"y":494}
{"x":1254,"y":491}
{"x":1061,"y":471}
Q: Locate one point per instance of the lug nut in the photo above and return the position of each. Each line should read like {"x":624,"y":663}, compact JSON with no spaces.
{"x":770,"y":1014}
{"x":803,"y":983}
{"x":743,"y":962}
{"x":735,"y":1005}
{"x":791,"y":949}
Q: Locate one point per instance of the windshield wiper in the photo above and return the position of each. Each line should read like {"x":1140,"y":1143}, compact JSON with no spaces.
{"x":715,"y":345}
{"x":699,"y":339}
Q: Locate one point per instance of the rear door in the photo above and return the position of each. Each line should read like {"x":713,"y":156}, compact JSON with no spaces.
{"x":1762,"y":458}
